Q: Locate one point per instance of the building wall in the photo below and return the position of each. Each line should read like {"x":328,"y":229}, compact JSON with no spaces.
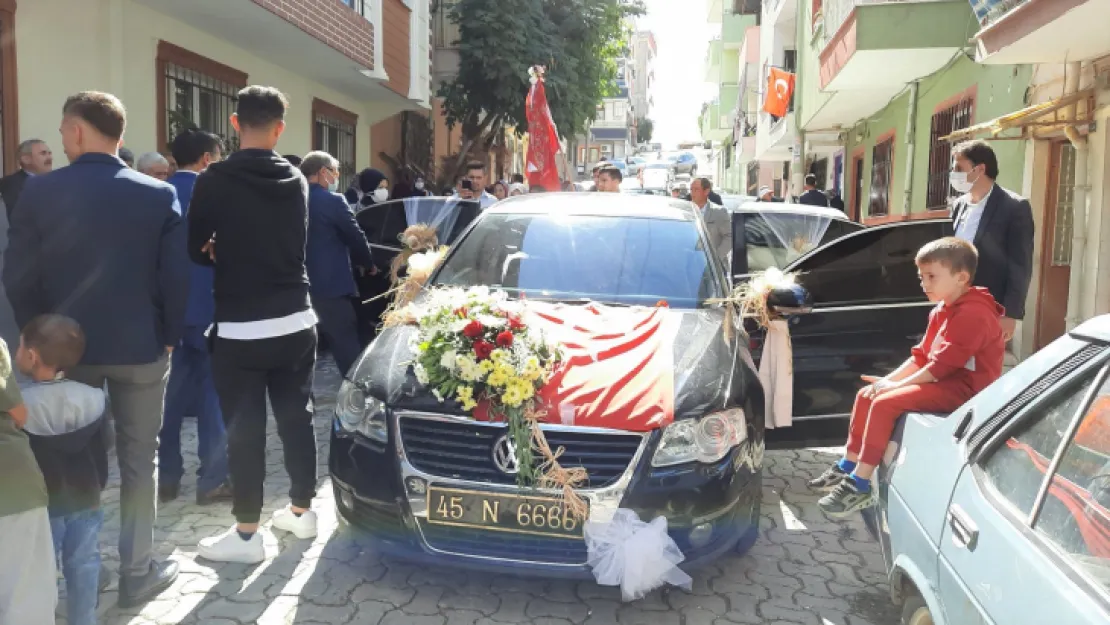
{"x":397,"y":22}
{"x":998,"y":90}
{"x":113,"y":52}
{"x":328,"y":22}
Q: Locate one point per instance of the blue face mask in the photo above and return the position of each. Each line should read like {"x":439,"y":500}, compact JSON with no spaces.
{"x":334,"y":186}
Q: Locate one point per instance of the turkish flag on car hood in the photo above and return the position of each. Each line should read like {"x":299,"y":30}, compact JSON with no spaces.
{"x":543,"y":139}
{"x":780,"y":88}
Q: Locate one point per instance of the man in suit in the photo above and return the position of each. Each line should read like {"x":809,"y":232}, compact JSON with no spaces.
{"x":811,"y":196}
{"x":105,"y":245}
{"x":999,"y":223}
{"x":35,"y":159}
{"x":718,"y":224}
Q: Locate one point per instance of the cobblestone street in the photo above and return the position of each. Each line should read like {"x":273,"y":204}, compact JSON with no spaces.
{"x":805,"y":569}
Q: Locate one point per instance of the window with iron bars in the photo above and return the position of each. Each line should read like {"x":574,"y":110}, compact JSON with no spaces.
{"x":881,"y":162}
{"x":196,"y":100}
{"x":945,"y":122}
{"x":336,"y":137}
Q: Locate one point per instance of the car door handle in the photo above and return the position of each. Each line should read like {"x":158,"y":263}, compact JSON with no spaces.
{"x":965,"y":534}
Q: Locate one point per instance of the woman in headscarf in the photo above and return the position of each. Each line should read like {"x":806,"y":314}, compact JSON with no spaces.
{"x":369,"y":188}
{"x":500,"y":190}
{"x":516,"y":189}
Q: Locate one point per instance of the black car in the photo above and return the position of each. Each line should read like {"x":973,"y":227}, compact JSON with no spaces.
{"x":393,"y":445}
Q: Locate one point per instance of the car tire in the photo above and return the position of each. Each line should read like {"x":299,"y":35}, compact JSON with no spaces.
{"x":747,"y":541}
{"x":916,"y":612}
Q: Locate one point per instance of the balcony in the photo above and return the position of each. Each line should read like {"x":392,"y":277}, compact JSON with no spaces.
{"x":715,"y":10}
{"x":867,"y":44}
{"x":445,"y":39}
{"x":735,"y":28}
{"x":713,"y":61}
{"x":1041,"y":31}
{"x":779,"y":12}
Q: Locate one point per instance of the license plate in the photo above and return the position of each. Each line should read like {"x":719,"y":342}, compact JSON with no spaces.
{"x":535,"y":515}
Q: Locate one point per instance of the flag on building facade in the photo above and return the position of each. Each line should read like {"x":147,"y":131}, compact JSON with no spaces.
{"x":780,"y":88}
{"x":543,"y":143}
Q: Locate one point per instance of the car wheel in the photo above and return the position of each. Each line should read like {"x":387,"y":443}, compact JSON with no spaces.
{"x":915,"y":612}
{"x":747,"y":541}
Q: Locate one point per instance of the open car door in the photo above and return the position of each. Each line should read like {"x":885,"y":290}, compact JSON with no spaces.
{"x":868,"y":311}
{"x":775,"y":238}
{"x":383,"y":224}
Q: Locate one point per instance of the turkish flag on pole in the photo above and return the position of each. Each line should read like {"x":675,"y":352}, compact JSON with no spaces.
{"x":780,"y":87}
{"x":543,"y":139}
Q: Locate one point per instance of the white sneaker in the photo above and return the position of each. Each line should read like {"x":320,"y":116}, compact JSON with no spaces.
{"x":230,"y":547}
{"x":302,"y":527}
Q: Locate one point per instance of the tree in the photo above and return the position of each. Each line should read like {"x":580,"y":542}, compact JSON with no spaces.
{"x":645,"y":128}
{"x":578,"y":41}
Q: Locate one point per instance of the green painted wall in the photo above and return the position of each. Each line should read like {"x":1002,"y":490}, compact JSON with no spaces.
{"x":914,"y":25}
{"x":808,"y":98}
{"x":999,"y":90}
{"x":732,"y":30}
{"x":730,"y":66}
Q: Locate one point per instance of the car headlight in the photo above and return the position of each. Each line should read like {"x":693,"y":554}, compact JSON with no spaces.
{"x":359,"y":412}
{"x":707,"y":439}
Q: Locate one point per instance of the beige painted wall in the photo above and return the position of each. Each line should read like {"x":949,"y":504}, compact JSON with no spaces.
{"x":66,"y":46}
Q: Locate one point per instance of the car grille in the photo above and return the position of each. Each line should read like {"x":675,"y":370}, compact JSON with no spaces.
{"x":464,"y":450}
{"x":503,"y":545}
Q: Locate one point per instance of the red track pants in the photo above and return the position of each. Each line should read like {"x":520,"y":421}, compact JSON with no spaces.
{"x":873,"y":420}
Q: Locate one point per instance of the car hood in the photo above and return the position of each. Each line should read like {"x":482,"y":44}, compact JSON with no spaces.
{"x":706,"y":370}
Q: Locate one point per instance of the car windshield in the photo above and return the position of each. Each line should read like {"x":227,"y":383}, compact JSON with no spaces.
{"x":777,"y":239}
{"x":672,"y":158}
{"x":610,"y":259}
{"x":657,"y":166}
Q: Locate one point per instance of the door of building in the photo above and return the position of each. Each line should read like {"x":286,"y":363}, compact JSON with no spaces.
{"x":1059,"y":211}
{"x":857,"y":188}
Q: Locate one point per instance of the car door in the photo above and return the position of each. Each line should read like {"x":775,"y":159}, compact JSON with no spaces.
{"x":1026,"y":536}
{"x":868,"y":311}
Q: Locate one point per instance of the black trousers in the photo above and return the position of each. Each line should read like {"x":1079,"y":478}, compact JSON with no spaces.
{"x":245,"y":373}
{"x":339,"y":327}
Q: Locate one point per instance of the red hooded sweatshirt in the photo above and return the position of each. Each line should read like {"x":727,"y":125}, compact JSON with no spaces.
{"x":963,"y":342}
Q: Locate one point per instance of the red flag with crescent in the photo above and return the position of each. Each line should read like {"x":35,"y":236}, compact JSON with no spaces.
{"x":543,"y":139}
{"x":780,"y":88}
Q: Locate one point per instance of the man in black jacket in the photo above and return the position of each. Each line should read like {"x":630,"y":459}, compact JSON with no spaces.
{"x":35,"y":159}
{"x":249,"y":219}
{"x":999,"y":223}
{"x":811,"y":196}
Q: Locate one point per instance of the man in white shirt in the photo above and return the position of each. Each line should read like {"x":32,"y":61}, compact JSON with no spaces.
{"x":718,"y":224}
{"x":476,"y":176}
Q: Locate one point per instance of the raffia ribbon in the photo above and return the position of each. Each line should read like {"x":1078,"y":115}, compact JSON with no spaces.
{"x":556,"y":476}
{"x":750,"y":298}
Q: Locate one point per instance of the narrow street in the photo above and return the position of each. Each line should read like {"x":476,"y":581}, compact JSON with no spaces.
{"x":805,"y":569}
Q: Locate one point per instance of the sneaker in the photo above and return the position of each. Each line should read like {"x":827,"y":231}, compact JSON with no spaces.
{"x":828,"y":480}
{"x":845,"y":499}
{"x":302,"y":527}
{"x":230,"y":547}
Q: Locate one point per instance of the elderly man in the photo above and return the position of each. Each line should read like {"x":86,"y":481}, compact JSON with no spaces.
{"x":609,"y":179}
{"x":718,"y":224}
{"x":154,"y":165}
{"x":999,"y":223}
{"x":35,"y":159}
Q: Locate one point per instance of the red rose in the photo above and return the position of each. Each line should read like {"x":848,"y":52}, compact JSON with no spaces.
{"x":505,"y":339}
{"x":473,"y":329}
{"x":515,"y":323}
{"x":482,"y":350}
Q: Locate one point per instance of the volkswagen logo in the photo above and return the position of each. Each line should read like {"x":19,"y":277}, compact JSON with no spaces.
{"x":504,"y":455}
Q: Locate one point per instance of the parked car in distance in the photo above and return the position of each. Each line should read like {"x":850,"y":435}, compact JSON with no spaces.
{"x":635,"y":164}
{"x":657,"y":176}
{"x":393,"y":444}
{"x":684,"y":163}
{"x":1000,"y":511}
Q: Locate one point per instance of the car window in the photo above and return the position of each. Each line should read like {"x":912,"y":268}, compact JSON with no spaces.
{"x":608,"y":259}
{"x":871,"y":266}
{"x":1017,"y":468}
{"x":1075,"y":517}
{"x":778,"y":239}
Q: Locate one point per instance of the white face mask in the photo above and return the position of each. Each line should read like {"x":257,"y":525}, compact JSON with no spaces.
{"x":419,"y":185}
{"x":380,"y":195}
{"x":960,"y":183}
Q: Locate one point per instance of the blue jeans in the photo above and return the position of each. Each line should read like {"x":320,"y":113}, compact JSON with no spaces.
{"x":191,"y":391}
{"x":77,"y":546}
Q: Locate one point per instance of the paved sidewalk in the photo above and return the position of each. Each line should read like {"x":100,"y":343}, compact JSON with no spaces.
{"x":805,"y":569}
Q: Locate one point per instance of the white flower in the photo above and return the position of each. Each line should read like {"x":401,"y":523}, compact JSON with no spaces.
{"x":437,"y":395}
{"x":490,"y":321}
{"x":421,"y":373}
{"x":423,"y":263}
{"x":458,"y":325}
{"x":479,"y":292}
{"x":447,"y":360}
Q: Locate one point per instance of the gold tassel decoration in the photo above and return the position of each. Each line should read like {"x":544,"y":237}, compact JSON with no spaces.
{"x":751,"y":297}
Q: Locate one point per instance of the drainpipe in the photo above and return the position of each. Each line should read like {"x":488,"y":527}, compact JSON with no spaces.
{"x":911,"y":144}
{"x":1079,"y":205}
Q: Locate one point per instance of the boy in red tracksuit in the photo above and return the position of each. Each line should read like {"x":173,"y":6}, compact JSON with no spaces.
{"x":960,"y":355}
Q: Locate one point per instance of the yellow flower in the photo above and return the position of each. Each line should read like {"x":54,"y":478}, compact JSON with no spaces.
{"x":532,"y":369}
{"x":464,"y":393}
{"x":512,"y":397}
{"x":486,"y":366}
{"x":497,"y":378}
{"x":504,"y":369}
{"x":499,"y":356}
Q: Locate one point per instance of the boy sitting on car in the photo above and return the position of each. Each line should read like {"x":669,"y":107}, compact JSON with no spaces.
{"x":960,"y":355}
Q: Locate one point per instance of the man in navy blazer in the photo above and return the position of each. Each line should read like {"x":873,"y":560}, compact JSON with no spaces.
{"x":105,"y":245}
{"x":334,"y":239}
{"x":1000,"y":225}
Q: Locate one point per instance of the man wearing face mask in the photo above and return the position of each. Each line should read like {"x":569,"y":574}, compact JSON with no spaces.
{"x":1000,"y":225}
{"x":334,"y":238}
{"x":418,"y":188}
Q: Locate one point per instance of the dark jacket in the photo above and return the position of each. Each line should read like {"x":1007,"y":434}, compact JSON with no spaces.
{"x":334,"y":239}
{"x":67,"y":439}
{"x":366,"y":183}
{"x":813,"y":197}
{"x":11,"y":187}
{"x":1005,"y":243}
{"x":201,"y":305}
{"x":255,"y":205}
{"x":105,"y":245}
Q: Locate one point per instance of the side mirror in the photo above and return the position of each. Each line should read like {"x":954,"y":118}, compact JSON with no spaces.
{"x":790,"y":300}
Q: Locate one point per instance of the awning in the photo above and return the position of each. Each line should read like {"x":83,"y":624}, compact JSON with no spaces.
{"x":609,"y":134}
{"x":1027,"y":118}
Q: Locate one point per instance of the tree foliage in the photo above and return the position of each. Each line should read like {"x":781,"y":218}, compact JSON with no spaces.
{"x":645,"y":128}
{"x":578,"y":41}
